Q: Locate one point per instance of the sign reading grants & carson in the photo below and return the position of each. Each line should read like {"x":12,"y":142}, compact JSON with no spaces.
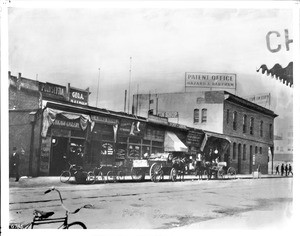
{"x":211,"y":80}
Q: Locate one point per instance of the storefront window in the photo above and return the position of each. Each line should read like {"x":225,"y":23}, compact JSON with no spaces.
{"x":121,"y":151}
{"x":134,"y":152}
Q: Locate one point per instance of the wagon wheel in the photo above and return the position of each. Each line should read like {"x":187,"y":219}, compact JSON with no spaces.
{"x":173,"y":174}
{"x":137,"y":174}
{"x":156,"y":172}
{"x":231,"y":173}
{"x":221,"y":173}
{"x":91,"y":177}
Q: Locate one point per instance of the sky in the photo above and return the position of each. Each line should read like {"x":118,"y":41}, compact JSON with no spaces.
{"x":69,"y":45}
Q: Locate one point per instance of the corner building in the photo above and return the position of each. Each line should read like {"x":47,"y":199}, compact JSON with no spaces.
{"x":248,"y":127}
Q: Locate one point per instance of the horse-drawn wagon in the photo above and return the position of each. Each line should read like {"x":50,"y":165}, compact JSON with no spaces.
{"x":156,"y":166}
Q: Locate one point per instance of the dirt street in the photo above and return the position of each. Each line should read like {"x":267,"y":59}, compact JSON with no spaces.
{"x":244,"y":203}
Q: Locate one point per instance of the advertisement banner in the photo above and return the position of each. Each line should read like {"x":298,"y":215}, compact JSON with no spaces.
{"x":78,"y":96}
{"x":210,"y":80}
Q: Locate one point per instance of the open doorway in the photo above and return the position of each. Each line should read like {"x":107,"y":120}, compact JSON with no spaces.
{"x":59,"y":147}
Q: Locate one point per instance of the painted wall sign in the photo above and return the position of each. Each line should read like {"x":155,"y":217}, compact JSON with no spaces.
{"x":261,"y":99}
{"x":194,"y":138}
{"x":78,"y":96}
{"x":67,"y":124}
{"x":169,"y":114}
{"x":211,"y":80}
{"x":45,"y":156}
{"x":104,"y":120}
{"x":53,"y":89}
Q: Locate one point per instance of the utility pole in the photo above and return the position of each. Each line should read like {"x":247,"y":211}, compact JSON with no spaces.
{"x":98,"y":88}
{"x":129,"y":85}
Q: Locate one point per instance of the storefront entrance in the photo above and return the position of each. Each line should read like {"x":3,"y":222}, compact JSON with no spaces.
{"x":59,"y":148}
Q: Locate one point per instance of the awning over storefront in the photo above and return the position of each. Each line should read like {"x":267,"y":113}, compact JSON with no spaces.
{"x":215,"y":140}
{"x":173,"y":143}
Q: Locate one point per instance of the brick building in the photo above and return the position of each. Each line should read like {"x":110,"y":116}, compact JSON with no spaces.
{"x":48,"y":122}
{"x":248,"y":126}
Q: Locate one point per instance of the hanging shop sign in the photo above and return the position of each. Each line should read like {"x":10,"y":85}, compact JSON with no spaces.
{"x":52,"y":89}
{"x":131,"y":128}
{"x":210,"y":80}
{"x":67,"y":124}
{"x":78,"y":96}
{"x":194,"y":138}
{"x":104,"y":120}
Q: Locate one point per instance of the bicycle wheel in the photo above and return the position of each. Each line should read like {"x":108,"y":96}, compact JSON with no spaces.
{"x":91,"y":178}
{"x":110,"y":177}
{"x":65,"y":176}
{"x":173,"y":174}
{"x":231,"y":173}
{"x":100,"y":177}
{"x":75,"y":225}
{"x":221,"y":173}
{"x":120,"y":175}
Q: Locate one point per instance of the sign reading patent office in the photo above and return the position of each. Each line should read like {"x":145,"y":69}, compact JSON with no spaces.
{"x":211,"y":80}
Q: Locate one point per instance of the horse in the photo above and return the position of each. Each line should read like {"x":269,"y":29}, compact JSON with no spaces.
{"x":180,"y":165}
{"x":205,"y":168}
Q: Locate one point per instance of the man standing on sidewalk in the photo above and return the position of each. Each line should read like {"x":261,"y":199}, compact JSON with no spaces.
{"x":15,"y":161}
{"x":282,"y":169}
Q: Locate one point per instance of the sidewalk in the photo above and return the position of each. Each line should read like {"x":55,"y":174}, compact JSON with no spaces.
{"x":48,"y":181}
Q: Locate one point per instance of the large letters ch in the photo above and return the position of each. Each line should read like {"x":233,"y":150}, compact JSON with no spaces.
{"x":277,"y":34}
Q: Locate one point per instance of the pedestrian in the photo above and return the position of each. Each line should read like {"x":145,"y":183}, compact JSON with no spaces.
{"x":290,"y":169}
{"x":286,"y":170}
{"x":282,"y":169}
{"x":15,"y":161}
{"x":277,"y":170}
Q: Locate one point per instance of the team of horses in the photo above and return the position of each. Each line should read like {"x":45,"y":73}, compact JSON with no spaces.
{"x":200,"y":168}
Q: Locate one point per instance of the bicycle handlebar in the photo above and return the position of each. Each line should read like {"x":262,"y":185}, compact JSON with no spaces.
{"x":62,"y":203}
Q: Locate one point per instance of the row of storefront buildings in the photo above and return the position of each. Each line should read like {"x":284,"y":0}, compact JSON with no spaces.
{"x":51,"y":125}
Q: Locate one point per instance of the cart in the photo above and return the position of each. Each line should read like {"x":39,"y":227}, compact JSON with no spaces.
{"x":156,"y":166}
{"x":220,"y":170}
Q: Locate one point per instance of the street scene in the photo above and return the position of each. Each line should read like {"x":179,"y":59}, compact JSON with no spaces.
{"x":166,"y":205}
{"x":149,"y":116}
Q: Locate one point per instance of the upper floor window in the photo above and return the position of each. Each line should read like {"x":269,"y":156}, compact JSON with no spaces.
{"x":196,"y":115}
{"x":244,"y":123}
{"x":260,"y":150}
{"x":261,"y":128}
{"x":234,"y":120}
{"x":251,"y":125}
{"x":227,"y":116}
{"x":271,"y":131}
{"x":204,"y":115}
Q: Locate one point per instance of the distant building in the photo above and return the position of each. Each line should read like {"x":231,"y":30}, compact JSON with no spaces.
{"x":248,"y":126}
{"x":283,"y":148}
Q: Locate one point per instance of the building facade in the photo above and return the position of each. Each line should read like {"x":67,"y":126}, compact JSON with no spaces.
{"x":53,"y":125}
{"x":248,"y":126}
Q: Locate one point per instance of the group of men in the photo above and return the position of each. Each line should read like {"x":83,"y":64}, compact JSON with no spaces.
{"x":284,"y":169}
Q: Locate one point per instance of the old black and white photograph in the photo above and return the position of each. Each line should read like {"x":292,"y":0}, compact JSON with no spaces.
{"x":143,"y":115}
